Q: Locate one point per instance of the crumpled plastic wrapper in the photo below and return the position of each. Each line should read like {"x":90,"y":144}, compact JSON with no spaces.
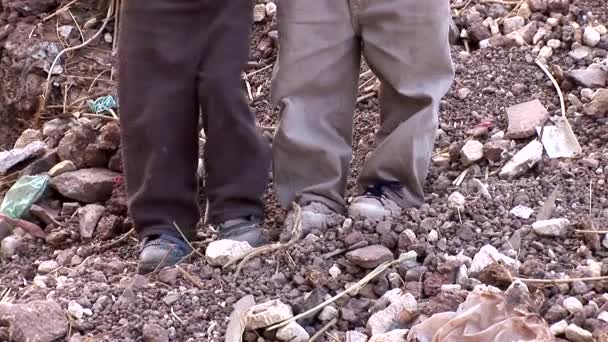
{"x":485,"y":316}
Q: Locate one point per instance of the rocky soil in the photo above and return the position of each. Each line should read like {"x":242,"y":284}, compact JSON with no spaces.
{"x":497,"y":207}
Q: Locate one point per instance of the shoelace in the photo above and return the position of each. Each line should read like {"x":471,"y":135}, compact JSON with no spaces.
{"x":378,"y":190}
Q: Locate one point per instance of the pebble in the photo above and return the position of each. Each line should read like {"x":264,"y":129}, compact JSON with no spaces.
{"x":383,"y":321}
{"x":370,"y":256}
{"x":591,"y":37}
{"x":220,"y":252}
{"x":471,"y":152}
{"x":523,"y":160}
{"x":266,"y":314}
{"x":89,"y":216}
{"x":355,"y":336}
{"x":75,"y":310}
{"x":522,"y":211}
{"x":554,"y":43}
{"x":154,"y":333}
{"x":545,"y":52}
{"x":293,"y":332}
{"x":487,"y":255}
{"x":456,"y":200}
{"x":574,"y":333}
{"x":432,"y":236}
{"x":62,"y":167}
{"x":10,"y":245}
{"x":335,"y":271}
{"x":397,"y":335}
{"x":328,"y":313}
{"x":551,"y":228}
{"x":168,"y":275}
{"x":48,"y":266}
{"x":559,"y":328}
{"x":573,"y":305}
{"x":603,"y":316}
{"x":259,"y":13}
{"x":271,"y":9}
{"x":463,"y":93}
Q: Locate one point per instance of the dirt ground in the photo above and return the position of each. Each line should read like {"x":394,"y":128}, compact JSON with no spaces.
{"x":102,"y":278}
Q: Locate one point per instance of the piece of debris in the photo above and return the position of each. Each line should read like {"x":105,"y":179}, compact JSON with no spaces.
{"x":370,"y":256}
{"x":220,"y":252}
{"x":86,"y":185}
{"x":524,"y":118}
{"x":522,"y":211}
{"x":471,"y":152}
{"x":551,"y":228}
{"x":293,"y":332}
{"x":486,"y":315}
{"x":8,"y":159}
{"x":523,"y":160}
{"x":487,"y":255}
{"x":39,"y":320}
{"x":89,"y":216}
{"x":20,"y":197}
{"x":267,"y":314}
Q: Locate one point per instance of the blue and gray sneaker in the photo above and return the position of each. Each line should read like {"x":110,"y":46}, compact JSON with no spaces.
{"x":160,"y":251}
{"x":243,"y":229}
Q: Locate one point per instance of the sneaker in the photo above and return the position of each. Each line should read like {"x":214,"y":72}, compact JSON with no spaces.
{"x":315,"y":215}
{"x":160,"y":251}
{"x":378,"y":202}
{"x":243,"y":229}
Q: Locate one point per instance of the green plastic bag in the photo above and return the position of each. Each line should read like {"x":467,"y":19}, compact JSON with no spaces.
{"x":25,"y":192}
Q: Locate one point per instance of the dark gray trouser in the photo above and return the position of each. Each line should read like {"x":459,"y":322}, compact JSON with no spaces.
{"x":405,"y":42}
{"x":177,"y":57}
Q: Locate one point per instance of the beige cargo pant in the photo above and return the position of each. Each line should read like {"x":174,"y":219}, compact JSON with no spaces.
{"x":405,"y":42}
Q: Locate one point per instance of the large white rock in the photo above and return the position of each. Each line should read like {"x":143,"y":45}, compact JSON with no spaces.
{"x":573,"y":305}
{"x":220,"y":252}
{"x":591,"y":37}
{"x":471,"y":152}
{"x":551,"y":228}
{"x":574,"y":333}
{"x":487,"y":255}
{"x":267,"y":314}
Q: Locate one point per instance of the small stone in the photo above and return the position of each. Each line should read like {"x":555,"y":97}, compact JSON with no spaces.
{"x":554,"y":43}
{"x":456,"y":200}
{"x":432,"y":236}
{"x":27,"y":137}
{"x":334,"y":271}
{"x":599,"y":104}
{"x":329,"y":312}
{"x":522,"y":211}
{"x":62,"y":167}
{"x":471,"y":152}
{"x":497,"y":150}
{"x":573,"y":305}
{"x":370,"y":256}
{"x":355,"y":336}
{"x":551,"y":228}
{"x":10,"y":245}
{"x":75,"y":310}
{"x":292,"y":332}
{"x":220,"y":252}
{"x":487,"y":255}
{"x":523,"y":160}
{"x":603,"y":316}
{"x":524,"y":118}
{"x":86,"y":185}
{"x":513,"y":23}
{"x":384,"y":321}
{"x":524,"y":35}
{"x":575,"y":333}
{"x":154,"y":333}
{"x":266,"y":314}
{"x":171,"y":298}
{"x":524,"y":11}
{"x":580,"y":52}
{"x":545,"y":52}
{"x":259,"y":13}
{"x":558,"y":328}
{"x":591,"y":37}
{"x":271,"y":9}
{"x":168,"y":275}
{"x":462,"y":276}
{"x":397,"y":335}
{"x":89,"y":216}
{"x":463,"y":93}
{"x":65,"y":30}
{"x":590,"y":78}
{"x":48,"y":266}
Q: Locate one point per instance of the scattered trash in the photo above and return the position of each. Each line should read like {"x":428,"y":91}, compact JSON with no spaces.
{"x":25,"y":192}
{"x":8,"y":159}
{"x":103,"y":104}
{"x":486,"y":315}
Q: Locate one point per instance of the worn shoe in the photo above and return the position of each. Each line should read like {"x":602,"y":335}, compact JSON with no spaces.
{"x":315,"y":215}
{"x":378,"y":202}
{"x":243,"y":229}
{"x":160,"y":251}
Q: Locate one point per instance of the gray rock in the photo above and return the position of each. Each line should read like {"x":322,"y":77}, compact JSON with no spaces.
{"x":386,"y":320}
{"x":599,"y":104}
{"x":580,"y":52}
{"x":292,"y":332}
{"x":266,"y":314}
{"x":168,"y":275}
{"x":48,"y":266}
{"x":513,"y":23}
{"x":355,"y":336}
{"x":259,"y":13}
{"x":471,"y":152}
{"x":591,"y":37}
{"x":456,"y":200}
{"x":40,"y":321}
{"x":487,"y":255}
{"x":78,"y":145}
{"x":154,"y":333}
{"x":524,"y":118}
{"x":397,"y":335}
{"x":89,"y":216}
{"x":497,"y":150}
{"x":75,"y":310}
{"x":27,"y":137}
{"x":573,"y":305}
{"x":62,"y":167}
{"x":370,"y":256}
{"x":10,"y":245}
{"x":559,"y":328}
{"x":329,"y":312}
{"x":8,"y":159}
{"x":590,"y":78}
{"x":220,"y":252}
{"x":551,"y":228}
{"x":574,"y":333}
{"x":86,"y":185}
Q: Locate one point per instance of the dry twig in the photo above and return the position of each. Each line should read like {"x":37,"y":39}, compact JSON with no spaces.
{"x":120,"y":240}
{"x":196,"y":282}
{"x":323,"y":330}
